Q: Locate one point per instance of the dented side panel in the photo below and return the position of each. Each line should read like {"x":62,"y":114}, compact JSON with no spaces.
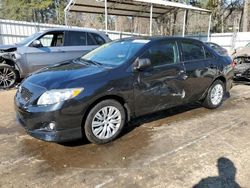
{"x":15,"y":56}
{"x":201,"y":74}
{"x":159,"y":88}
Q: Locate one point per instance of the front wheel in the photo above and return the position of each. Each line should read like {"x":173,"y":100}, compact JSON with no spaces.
{"x":8,"y":76}
{"x":215,"y":95}
{"x":104,"y":122}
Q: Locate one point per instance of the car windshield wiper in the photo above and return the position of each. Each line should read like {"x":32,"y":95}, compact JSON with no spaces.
{"x":92,"y":62}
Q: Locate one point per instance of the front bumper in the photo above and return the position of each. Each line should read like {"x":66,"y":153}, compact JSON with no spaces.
{"x":66,"y":116}
{"x":242,"y":72}
{"x":241,"y":77}
{"x":49,"y":135}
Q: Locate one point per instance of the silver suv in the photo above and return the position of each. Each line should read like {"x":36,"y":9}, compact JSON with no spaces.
{"x":43,"y":49}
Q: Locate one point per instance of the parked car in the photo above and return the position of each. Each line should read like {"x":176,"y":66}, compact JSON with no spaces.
{"x":241,"y":58}
{"x":97,"y":94}
{"x":217,"y":48}
{"x":43,"y":49}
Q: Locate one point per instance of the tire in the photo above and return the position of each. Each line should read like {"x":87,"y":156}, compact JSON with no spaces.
{"x":100,"y":128}
{"x":8,"y":76}
{"x":215,"y":95}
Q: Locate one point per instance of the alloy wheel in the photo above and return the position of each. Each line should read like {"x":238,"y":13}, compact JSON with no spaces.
{"x":106,"y":122}
{"x":7,"y":77}
{"x":217,"y":94}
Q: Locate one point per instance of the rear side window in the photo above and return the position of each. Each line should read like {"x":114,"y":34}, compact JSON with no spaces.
{"x":76,"y":38}
{"x":90,"y":40}
{"x":192,"y":51}
{"x":98,"y":39}
{"x":209,"y":55}
{"x":215,"y":47}
{"x":162,"y":54}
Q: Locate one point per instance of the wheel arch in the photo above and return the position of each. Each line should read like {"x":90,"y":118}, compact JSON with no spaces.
{"x":117,"y":98}
{"x":221,"y":78}
{"x":12,"y":64}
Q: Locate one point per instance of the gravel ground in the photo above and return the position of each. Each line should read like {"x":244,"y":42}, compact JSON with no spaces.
{"x":180,"y":147}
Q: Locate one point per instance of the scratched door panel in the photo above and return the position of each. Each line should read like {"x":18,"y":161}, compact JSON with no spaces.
{"x":160,"y":86}
{"x":199,"y":74}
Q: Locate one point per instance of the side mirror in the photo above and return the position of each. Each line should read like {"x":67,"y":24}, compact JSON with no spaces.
{"x":142,"y":64}
{"x":36,"y":44}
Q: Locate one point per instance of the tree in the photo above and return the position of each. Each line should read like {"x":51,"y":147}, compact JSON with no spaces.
{"x":246,"y":16}
{"x":43,"y":11}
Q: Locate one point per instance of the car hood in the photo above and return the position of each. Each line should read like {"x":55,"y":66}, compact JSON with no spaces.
{"x":245,"y":51}
{"x":66,"y":75}
{"x":8,"y":47}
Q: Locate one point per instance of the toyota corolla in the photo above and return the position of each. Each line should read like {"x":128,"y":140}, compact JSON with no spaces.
{"x":97,"y":94}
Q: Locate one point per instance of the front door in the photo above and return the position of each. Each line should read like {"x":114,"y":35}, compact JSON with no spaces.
{"x":50,"y":52}
{"x":79,"y":43}
{"x":161,"y":85}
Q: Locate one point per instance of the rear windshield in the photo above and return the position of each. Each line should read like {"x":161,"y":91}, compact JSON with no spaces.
{"x":115,"y":53}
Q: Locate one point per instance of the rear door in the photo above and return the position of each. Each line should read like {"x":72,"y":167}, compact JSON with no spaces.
{"x":51,"y":51}
{"x":161,"y":85}
{"x":200,"y":67}
{"x":78,"y":43}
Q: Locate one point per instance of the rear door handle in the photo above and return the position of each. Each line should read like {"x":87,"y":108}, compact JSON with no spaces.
{"x":181,"y":72}
{"x":212,"y":66}
{"x":183,"y":75}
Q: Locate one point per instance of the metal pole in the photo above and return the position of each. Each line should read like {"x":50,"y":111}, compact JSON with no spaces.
{"x":151,"y":19}
{"x":106,"y":16}
{"x":67,"y":8}
{"x":65,"y":18}
{"x":184,"y":23}
{"x":209,"y":28}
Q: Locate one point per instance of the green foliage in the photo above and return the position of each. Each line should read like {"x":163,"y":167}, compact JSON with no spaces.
{"x":33,"y":10}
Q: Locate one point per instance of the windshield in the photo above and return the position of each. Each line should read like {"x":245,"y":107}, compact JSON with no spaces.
{"x":115,"y":53}
{"x":29,"y":39}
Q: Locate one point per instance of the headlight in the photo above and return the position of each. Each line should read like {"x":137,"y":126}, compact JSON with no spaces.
{"x":58,"y":95}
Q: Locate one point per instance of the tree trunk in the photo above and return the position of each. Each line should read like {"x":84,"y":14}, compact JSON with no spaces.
{"x":246,"y":16}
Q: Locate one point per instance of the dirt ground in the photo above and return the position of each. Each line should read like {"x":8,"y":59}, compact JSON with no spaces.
{"x":181,"y":147}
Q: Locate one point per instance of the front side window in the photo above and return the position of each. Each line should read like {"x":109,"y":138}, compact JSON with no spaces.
{"x":52,"y":39}
{"x":162,"y":54}
{"x":192,"y":51}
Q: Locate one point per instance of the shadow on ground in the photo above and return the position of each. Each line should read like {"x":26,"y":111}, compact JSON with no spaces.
{"x":225,"y":179}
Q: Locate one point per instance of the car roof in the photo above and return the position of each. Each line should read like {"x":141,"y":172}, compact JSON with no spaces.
{"x":73,"y":29}
{"x":211,"y":43}
{"x":159,"y":38}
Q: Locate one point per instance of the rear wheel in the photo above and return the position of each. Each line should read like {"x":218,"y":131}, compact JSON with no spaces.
{"x":104,"y":122}
{"x":215,"y":95}
{"x":8,"y":76}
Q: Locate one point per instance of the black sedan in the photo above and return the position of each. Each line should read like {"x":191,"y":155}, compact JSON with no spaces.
{"x":97,"y":94}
